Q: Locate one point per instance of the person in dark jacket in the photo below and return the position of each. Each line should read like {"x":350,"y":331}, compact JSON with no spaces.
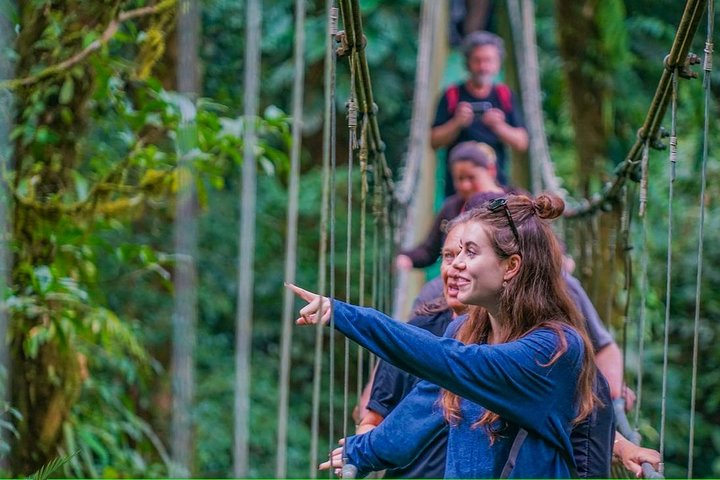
{"x":520,"y":362}
{"x":473,"y":170}
{"x":479,"y":108}
{"x":391,"y":384}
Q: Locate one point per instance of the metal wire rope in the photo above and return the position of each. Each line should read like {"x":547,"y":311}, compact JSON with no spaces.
{"x":643,"y":292}
{"x":352,"y":144}
{"x":668,"y":274}
{"x":292,"y":234}
{"x":247,"y":241}
{"x":651,"y":126}
{"x":707,"y":67}
{"x":331,"y":114}
{"x":363,"y":155}
{"x":328,"y":152}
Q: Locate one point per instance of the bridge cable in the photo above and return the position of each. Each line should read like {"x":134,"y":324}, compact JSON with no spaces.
{"x":291,"y":241}
{"x":247,"y":241}
{"x":352,"y":118}
{"x":363,"y":154}
{"x":643,"y":281}
{"x":328,"y":137}
{"x":678,"y":57}
{"x":707,"y":67}
{"x":668,"y":286}
{"x":331,"y":118}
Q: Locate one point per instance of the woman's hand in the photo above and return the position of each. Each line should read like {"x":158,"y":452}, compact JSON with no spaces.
{"x":633,"y":456}
{"x":317,"y":310}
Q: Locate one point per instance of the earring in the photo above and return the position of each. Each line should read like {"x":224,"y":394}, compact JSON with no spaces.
{"x":504,"y":284}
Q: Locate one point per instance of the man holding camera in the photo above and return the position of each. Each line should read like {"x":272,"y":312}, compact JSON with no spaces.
{"x":480,"y":109}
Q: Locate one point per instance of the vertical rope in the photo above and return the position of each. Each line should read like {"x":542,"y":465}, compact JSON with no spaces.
{"x":352,"y":117}
{"x":668,"y":284}
{"x":7,"y":72}
{"x":707,"y":79}
{"x":243,"y":340}
{"x":328,"y":151}
{"x":595,"y":251}
{"x":322,"y":279}
{"x":185,"y":298}
{"x":644,"y":285}
{"x":382,"y":259}
{"x":376,"y":280}
{"x":377,"y":233}
{"x":185,"y":245}
{"x":291,"y":246}
{"x":388,"y":244}
{"x":363,"y":230}
{"x":330,"y":116}
{"x":625,"y":226}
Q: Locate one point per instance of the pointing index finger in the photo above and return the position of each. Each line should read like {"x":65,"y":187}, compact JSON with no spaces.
{"x":301,"y":292}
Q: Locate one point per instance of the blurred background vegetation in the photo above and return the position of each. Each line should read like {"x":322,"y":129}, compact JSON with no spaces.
{"x":94,"y":175}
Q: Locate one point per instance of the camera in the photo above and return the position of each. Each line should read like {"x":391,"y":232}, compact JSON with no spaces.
{"x":479,"y":108}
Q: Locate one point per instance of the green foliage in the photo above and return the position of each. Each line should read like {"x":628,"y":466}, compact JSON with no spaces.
{"x":391,"y":30}
{"x":47,"y":470}
{"x":120,"y":168}
{"x":650,"y":28}
{"x":682,"y":307}
{"x":106,"y":290}
{"x":8,"y":417}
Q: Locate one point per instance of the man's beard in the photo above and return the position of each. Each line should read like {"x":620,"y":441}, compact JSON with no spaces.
{"x":483,"y":79}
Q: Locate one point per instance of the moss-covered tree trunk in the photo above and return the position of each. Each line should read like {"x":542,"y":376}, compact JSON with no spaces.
{"x":52,"y":119}
{"x":591,"y":49}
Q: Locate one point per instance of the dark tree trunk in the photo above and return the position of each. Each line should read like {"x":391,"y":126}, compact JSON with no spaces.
{"x":46,"y":384}
{"x":588,"y":77}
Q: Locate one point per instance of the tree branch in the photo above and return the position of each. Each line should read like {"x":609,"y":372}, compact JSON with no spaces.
{"x":106,"y":36}
{"x":104,"y":185}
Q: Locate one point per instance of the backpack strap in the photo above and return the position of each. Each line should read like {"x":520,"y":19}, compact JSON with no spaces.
{"x":505,"y":96}
{"x":453,"y":98}
{"x":503,"y":92}
{"x":515,"y":450}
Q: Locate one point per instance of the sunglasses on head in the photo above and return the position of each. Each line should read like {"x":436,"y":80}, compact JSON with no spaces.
{"x":501,"y":204}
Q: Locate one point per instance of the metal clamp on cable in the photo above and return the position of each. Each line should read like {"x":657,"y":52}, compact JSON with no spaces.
{"x":683,"y":69}
{"x":343,"y":48}
{"x":346,"y":47}
{"x":655,"y":142}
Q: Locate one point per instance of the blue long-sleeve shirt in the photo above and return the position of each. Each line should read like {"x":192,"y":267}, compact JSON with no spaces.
{"x":508,"y":379}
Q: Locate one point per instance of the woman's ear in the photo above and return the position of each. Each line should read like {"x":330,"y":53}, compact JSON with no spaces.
{"x":514,"y":262}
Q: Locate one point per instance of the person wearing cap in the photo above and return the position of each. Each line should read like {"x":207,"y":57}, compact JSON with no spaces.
{"x":472,"y":168}
{"x":480,"y":109}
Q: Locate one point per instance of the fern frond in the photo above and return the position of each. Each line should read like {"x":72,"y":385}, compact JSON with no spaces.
{"x":50,"y":467}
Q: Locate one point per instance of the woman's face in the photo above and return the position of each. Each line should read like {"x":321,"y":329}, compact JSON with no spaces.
{"x":477,"y":271}
{"x":449,"y":251}
{"x":467,"y":178}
